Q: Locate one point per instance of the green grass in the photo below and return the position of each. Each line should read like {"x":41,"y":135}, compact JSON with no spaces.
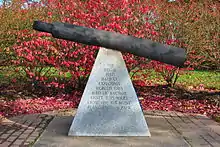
{"x":210,"y":79}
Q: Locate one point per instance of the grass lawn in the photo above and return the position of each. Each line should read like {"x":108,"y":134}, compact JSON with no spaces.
{"x":210,"y":79}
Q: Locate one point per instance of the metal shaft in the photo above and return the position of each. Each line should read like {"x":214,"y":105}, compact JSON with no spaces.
{"x":116,"y":41}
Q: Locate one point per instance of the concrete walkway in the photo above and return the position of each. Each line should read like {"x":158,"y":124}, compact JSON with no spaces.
{"x":168,"y":129}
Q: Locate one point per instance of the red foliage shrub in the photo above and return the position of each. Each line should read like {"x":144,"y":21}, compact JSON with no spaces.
{"x":156,"y":20}
{"x":143,"y":19}
{"x":40,"y":56}
{"x":35,"y":51}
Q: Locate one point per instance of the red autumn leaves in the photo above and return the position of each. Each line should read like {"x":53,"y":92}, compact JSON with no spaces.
{"x":34,"y":51}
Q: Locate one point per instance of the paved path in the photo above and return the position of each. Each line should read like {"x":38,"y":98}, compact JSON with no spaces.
{"x":22,"y":130}
{"x":168,"y":129}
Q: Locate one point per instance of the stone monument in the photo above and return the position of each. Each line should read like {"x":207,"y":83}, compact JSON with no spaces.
{"x":109,"y":105}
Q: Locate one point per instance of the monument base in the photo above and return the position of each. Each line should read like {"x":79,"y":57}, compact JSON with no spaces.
{"x":109,"y":105}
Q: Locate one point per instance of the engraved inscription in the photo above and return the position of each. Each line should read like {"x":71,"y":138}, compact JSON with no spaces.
{"x":109,"y":92}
